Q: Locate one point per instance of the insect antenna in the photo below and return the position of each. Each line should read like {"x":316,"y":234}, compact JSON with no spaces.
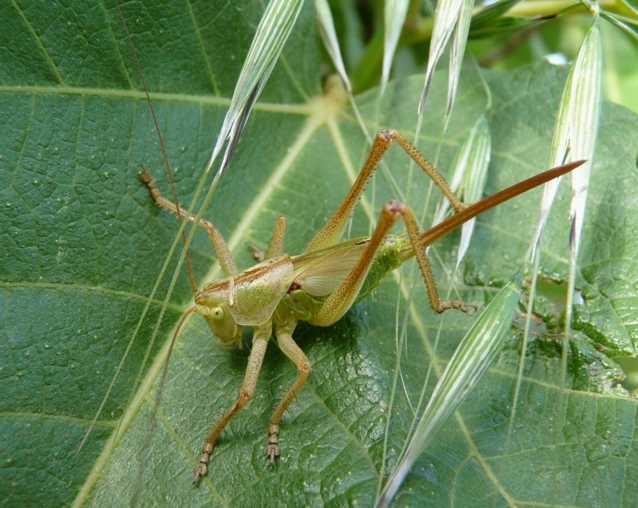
{"x":168,"y":169}
{"x":170,"y":177}
{"x":148,"y":436}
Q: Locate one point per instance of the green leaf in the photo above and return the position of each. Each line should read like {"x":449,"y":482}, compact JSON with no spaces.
{"x":394,"y":14}
{"x":620,"y":76}
{"x":82,"y":245}
{"x":627,"y":25}
{"x":488,"y":15}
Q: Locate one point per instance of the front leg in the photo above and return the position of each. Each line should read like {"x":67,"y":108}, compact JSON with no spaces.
{"x":219,"y":244}
{"x":246,"y":392}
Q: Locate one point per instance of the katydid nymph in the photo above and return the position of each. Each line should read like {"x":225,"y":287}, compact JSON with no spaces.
{"x":321,"y":284}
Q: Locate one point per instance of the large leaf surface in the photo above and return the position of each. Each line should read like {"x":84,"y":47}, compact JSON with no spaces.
{"x":82,"y":246}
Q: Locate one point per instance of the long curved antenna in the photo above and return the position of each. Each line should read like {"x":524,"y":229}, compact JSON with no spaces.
{"x":169,"y":172}
{"x":158,"y":398}
{"x":168,"y":169}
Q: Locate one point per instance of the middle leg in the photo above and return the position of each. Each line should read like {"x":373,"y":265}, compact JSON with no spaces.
{"x":276,"y":245}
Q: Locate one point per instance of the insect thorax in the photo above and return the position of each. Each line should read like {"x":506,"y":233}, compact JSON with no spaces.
{"x":297,"y":305}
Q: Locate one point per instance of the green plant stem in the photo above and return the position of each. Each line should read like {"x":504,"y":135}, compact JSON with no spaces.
{"x":421,"y":30}
{"x":535,"y":8}
{"x":368,"y":70}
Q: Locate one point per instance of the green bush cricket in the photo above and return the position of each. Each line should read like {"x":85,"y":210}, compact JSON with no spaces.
{"x":320,"y":285}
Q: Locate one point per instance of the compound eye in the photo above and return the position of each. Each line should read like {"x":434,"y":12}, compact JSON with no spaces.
{"x":218,"y":313}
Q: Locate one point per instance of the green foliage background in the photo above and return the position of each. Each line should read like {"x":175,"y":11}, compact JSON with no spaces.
{"x":82,"y":245}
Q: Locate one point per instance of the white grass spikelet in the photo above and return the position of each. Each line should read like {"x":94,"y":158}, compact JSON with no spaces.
{"x":273,"y":30}
{"x":576,"y":130}
{"x":470,"y":361}
{"x":446,"y":16}
{"x":584,"y":134}
{"x":330,"y":41}
{"x":469,"y":178}
{"x":457,"y":52}
{"x":394,"y":18}
{"x":475,"y":179}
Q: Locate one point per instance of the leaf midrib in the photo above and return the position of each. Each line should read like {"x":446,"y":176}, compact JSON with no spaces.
{"x":115,"y":293}
{"x":116,"y":93}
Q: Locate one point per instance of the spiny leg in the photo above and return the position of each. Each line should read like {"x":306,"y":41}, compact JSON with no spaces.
{"x":287,"y":344}
{"x":219,"y":244}
{"x":275,"y":247}
{"x":342,"y":298}
{"x":331,"y":232}
{"x":424,"y":265}
{"x":246,"y":392}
